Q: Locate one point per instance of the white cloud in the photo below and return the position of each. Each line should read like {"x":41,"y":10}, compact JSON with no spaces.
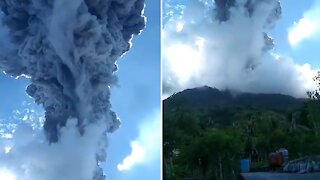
{"x":136,"y":156}
{"x":146,"y":147}
{"x":307,"y":27}
{"x":6,"y":175}
{"x":179,"y":26}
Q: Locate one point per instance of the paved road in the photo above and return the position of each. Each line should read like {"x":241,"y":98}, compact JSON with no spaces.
{"x":280,"y":176}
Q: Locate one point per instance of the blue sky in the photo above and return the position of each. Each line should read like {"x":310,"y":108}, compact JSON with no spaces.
{"x":136,"y":101}
{"x":307,"y":50}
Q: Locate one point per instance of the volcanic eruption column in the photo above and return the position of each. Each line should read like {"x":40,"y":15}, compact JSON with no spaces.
{"x":68,"y":49}
{"x":231,"y":33}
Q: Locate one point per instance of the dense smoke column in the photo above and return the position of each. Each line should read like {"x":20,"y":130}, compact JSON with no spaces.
{"x":219,"y":34}
{"x":222,"y":9}
{"x":69,"y":50}
{"x":222,"y":14}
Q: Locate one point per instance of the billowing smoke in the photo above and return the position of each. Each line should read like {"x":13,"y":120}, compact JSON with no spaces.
{"x":225,"y":44}
{"x":68,"y":49}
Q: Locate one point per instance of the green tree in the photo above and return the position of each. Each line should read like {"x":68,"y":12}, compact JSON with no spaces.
{"x":313,"y":115}
{"x":213,"y":155}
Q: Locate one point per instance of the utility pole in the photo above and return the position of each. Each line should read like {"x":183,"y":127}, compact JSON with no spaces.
{"x":220,"y":165}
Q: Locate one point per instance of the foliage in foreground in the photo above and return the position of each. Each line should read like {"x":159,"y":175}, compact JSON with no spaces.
{"x":208,"y":143}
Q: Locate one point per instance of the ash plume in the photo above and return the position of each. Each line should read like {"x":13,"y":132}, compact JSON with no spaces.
{"x":223,"y":7}
{"x":226,"y":44}
{"x":69,"y":49}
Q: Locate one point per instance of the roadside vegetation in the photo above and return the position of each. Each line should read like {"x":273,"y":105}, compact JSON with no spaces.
{"x":209,"y":142}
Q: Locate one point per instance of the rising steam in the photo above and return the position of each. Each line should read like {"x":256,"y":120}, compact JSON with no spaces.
{"x":68,"y":49}
{"x":225,"y":44}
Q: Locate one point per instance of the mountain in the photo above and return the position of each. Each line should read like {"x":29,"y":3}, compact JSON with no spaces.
{"x":208,"y":97}
{"x":206,"y":128}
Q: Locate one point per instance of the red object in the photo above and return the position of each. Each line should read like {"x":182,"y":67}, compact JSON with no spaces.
{"x":275,"y":160}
